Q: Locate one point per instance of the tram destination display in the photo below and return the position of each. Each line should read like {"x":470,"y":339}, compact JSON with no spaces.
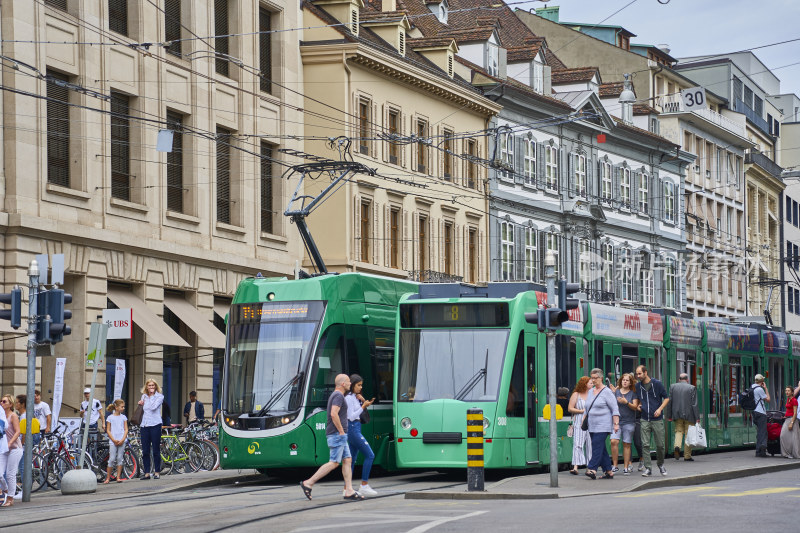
{"x":459,"y":315}
{"x":254,"y":313}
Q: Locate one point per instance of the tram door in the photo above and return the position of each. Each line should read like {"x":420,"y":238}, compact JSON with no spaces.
{"x":532,"y":406}
{"x":611,"y":363}
{"x":747,"y":372}
{"x":719,"y":399}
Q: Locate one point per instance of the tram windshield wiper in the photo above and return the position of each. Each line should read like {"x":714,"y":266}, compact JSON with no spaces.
{"x":281,"y":392}
{"x":474,"y":380}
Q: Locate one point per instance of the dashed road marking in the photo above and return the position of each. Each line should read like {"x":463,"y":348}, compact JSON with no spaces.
{"x":662,"y":492}
{"x":756,"y":492}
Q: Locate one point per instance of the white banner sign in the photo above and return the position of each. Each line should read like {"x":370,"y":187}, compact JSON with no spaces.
{"x":58,"y":391}
{"x":119,"y":379}
{"x":120,"y":323}
{"x":626,"y":323}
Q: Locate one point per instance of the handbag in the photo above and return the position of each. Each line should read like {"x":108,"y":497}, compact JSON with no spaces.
{"x":136,"y":417}
{"x":696,"y":437}
{"x":571,"y":430}
{"x":585,"y":423}
{"x":364,"y":417}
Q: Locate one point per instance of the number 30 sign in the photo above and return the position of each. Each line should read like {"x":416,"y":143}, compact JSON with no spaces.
{"x":693,"y":98}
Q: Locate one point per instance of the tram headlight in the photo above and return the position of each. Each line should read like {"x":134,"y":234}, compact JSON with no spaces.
{"x":405,"y":423}
{"x":285,"y":420}
{"x":485,"y":423}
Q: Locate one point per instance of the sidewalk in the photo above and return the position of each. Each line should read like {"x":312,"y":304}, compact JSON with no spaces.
{"x":705,"y":468}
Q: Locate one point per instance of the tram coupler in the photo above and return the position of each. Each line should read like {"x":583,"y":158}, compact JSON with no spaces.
{"x":475,"y":474}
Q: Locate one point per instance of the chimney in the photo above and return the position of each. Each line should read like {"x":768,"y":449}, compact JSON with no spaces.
{"x":388,"y":5}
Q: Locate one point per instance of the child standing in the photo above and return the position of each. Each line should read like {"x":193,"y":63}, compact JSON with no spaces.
{"x":117,"y":429}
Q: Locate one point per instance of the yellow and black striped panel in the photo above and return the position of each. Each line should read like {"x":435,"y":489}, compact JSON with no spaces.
{"x":475,"y":438}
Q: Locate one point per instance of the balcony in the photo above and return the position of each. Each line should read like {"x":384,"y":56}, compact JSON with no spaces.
{"x":431,"y":276}
{"x":674,"y":104}
{"x":752,"y":116}
{"x":764,"y":162}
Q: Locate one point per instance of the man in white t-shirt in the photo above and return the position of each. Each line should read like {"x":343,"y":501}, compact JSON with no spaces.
{"x":97,"y":410}
{"x":761,"y":395}
{"x":42,"y":411}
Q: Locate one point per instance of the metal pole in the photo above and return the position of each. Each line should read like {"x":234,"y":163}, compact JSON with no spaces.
{"x":27,"y":457}
{"x":475,"y":473}
{"x":550,"y":279}
{"x":97,"y":343}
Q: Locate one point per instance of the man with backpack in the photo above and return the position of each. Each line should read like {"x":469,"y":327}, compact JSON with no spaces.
{"x":653,"y":399}
{"x":760,"y":395}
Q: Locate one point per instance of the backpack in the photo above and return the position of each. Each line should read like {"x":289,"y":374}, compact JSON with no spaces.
{"x":747,"y":399}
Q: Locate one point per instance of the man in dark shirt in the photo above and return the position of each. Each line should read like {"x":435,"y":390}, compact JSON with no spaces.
{"x":336,"y":433}
{"x":652,"y":401}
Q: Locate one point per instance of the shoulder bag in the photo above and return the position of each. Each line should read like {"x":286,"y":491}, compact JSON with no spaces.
{"x":136,"y":417}
{"x":585,"y":422}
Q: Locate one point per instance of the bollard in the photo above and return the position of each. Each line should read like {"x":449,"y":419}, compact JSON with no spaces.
{"x":474,"y":449}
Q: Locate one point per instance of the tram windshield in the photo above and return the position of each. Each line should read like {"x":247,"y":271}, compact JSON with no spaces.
{"x":268,"y":356}
{"x":460,"y":364}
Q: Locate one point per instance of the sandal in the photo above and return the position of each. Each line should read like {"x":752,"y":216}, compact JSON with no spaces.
{"x":590,"y":474}
{"x":119,"y":481}
{"x":355,"y":497}
{"x":8,"y":501}
{"x":306,"y":490}
{"x":106,"y":481}
{"x":573,"y":472}
{"x":608,"y":475}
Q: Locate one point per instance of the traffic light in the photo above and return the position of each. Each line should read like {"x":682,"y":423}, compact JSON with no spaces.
{"x":556,"y":317}
{"x":42,"y":317}
{"x":539,"y":318}
{"x":55,"y":305}
{"x":564,"y":290}
{"x":13,"y":315}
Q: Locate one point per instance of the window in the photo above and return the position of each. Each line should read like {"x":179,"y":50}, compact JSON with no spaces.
{"x":738,"y":88}
{"x":365,"y":231}
{"x":669,"y":202}
{"x":402,"y":49}
{"x":531,"y":273}
{"x":646,"y":288}
{"x":643,"y":191}
{"x":605,"y":177}
{"x":507,"y":155}
{"x":584,"y":263}
{"x":120,"y":147}
{"x":554,"y":245}
{"x":422,"y":240}
{"x":472,"y":171}
{"x":607,"y":255}
{"x":529,"y":169}
{"x":492,"y":59}
{"x":265,"y":49}
{"x":551,"y":167}
{"x":718,"y":165}
{"x":175,"y":163}
{"x":354,"y":22}
{"x":472,"y":251}
{"x":223,"y":176}
{"x":580,"y":175}
{"x":172,"y":26}
{"x":394,"y":238}
{"x":448,"y":248}
{"x":669,"y":283}
{"x":394,"y":129}
{"x":538,"y":77}
{"x":118,"y":16}
{"x":364,"y":106}
{"x":57,"y":130}
{"x":267,"y":210}
{"x":506,"y":251}
{"x":788,"y":209}
{"x":447,"y":155}
{"x":758,"y":106}
{"x":221,"y":44}
{"x":625,"y":187}
{"x":626,"y":265}
{"x":58,"y":4}
{"x":422,"y":147}
{"x":791,"y":300}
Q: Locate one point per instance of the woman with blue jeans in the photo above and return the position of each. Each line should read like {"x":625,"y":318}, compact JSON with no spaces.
{"x":356,"y":406}
{"x":603,"y":414}
{"x":151,"y":427}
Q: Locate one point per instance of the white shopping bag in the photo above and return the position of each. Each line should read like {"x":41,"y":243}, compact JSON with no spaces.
{"x":696,"y":437}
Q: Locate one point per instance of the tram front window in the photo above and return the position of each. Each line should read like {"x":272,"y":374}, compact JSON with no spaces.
{"x":266,"y":366}
{"x":451,"y":364}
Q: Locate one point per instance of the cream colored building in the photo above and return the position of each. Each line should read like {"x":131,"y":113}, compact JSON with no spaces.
{"x":168,"y":234}
{"x":424,"y":214}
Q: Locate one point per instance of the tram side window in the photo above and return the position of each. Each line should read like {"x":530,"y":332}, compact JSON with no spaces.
{"x":383,"y":358}
{"x":566,"y":362}
{"x":735,"y":377}
{"x":515,"y":406}
{"x":358,"y":357}
{"x":327,"y":364}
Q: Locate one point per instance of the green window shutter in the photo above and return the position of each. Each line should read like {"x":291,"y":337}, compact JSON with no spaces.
{"x":267,"y":214}
{"x":223,"y":176}
{"x":175,"y":163}
{"x":172,"y":26}
{"x":58,"y":134}
{"x":120,"y":147}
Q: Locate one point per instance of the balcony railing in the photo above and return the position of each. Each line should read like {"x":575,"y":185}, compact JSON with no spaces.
{"x":674,"y":104}
{"x":764,"y":162}
{"x":431,"y":276}
{"x":752,"y":116}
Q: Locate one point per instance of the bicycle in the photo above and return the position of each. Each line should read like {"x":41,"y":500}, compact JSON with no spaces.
{"x":186,"y":456}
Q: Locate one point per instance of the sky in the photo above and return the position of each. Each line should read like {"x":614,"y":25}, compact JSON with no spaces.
{"x":699,"y":27}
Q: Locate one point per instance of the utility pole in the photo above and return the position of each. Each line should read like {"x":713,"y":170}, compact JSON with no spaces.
{"x":550,"y":279}
{"x":27,"y":457}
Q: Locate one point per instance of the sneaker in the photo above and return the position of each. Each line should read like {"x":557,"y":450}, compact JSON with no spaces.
{"x":366,"y":490}
{"x":615,"y":469}
{"x":647,"y":473}
{"x":626,"y":471}
{"x":641,"y":467}
{"x":662,"y":470}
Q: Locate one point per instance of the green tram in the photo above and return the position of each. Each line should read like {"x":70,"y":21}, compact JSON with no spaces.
{"x":458,"y":350}
{"x":286,"y":341}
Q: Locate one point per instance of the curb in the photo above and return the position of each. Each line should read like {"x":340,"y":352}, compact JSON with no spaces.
{"x":699,"y":479}
{"x":248,"y":478}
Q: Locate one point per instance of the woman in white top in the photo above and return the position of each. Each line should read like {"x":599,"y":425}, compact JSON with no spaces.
{"x":6,"y":492}
{"x":117,"y":430}
{"x":356,"y":413}
{"x":581,"y":444}
{"x":14,"y":441}
{"x":151,"y":427}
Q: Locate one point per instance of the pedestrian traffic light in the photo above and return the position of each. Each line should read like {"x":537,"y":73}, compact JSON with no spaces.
{"x":43,"y":317}
{"x":13,"y":315}
{"x":556,"y":317}
{"x":564,"y":290}
{"x":57,"y":299}
{"x":539,"y":318}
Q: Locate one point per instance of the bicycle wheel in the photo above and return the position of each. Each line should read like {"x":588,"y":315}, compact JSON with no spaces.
{"x":129,"y":465}
{"x":167,"y":462}
{"x":57,"y":466}
{"x":194,"y":457}
{"x":210,"y":455}
{"x":39,"y":473}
